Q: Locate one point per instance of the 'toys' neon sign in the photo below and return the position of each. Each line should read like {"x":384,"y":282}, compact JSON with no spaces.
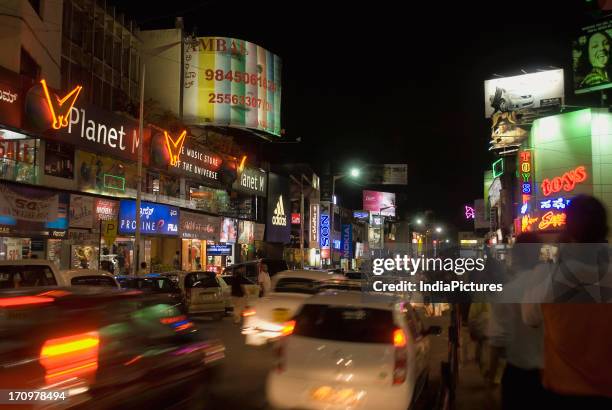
{"x":566,"y":182}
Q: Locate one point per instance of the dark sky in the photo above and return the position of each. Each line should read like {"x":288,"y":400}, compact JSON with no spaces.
{"x":375,"y":83}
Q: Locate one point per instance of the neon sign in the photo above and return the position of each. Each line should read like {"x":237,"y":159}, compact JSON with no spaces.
{"x":559,"y":203}
{"x":526,"y":187}
{"x":175,"y":147}
{"x":526,"y":222}
{"x":566,"y":182}
{"x":324,"y":233}
{"x":498,"y":167}
{"x":469,"y":212}
{"x":551,"y":219}
{"x":60,"y":109}
{"x":524,"y":208}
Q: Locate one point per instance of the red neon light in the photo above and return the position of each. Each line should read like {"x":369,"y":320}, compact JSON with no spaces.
{"x":566,"y":182}
{"x":551,"y":219}
{"x":175,"y":146}
{"x":59,"y":112}
{"x":525,"y":156}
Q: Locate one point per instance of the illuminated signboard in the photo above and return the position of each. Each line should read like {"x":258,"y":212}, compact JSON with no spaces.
{"x":469,"y":212}
{"x":363,"y":215}
{"x":60,"y":108}
{"x":527,"y":222}
{"x":498,"y":167}
{"x":314,"y":226}
{"x":566,"y":182}
{"x":154,"y":218}
{"x":295,"y":218}
{"x":525,"y":175}
{"x":324,"y":234}
{"x":559,"y":203}
{"x":218,"y":250}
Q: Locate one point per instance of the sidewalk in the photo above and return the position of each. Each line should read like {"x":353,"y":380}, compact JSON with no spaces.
{"x":472,"y":390}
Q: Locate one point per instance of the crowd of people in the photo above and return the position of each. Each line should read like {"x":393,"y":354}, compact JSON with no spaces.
{"x":548,"y":338}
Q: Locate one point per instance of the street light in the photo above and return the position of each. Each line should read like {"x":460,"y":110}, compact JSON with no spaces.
{"x":355,"y":172}
{"x":419,"y":221}
{"x":438,"y":229}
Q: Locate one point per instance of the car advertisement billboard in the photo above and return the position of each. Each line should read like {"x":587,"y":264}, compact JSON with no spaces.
{"x":231,"y":82}
{"x":383,"y":202}
{"x":155,"y":219}
{"x":591,"y":58}
{"x":513,"y":103}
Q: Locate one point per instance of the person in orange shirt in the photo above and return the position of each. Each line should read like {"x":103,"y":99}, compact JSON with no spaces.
{"x":578,"y":324}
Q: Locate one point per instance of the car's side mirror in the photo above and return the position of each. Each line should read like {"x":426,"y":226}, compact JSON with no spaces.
{"x":433,"y":330}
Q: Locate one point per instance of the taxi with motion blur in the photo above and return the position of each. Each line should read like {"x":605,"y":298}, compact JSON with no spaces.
{"x":263,"y":319}
{"x":342,"y":351}
{"x":89,"y":277}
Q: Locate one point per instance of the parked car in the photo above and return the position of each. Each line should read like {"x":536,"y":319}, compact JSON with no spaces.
{"x":263,"y":322}
{"x":106,"y":349}
{"x":155,"y":284}
{"x":89,"y":277}
{"x":252,"y":268}
{"x":204,"y":293}
{"x":340,"y":351}
{"x":29,"y":273}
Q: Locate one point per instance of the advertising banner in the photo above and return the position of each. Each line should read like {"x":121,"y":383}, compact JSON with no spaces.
{"x":325,"y":232}
{"x":106,"y":210}
{"x":246,"y":232}
{"x":218,"y":250}
{"x":347,"y":241}
{"x":229,"y":230}
{"x":361,"y":215}
{"x":259,"y":231}
{"x":28,"y":204}
{"x":86,"y":125}
{"x":199,"y":226}
{"x":231,"y":82}
{"x":513,"y":103}
{"x":327,"y":188}
{"x":100,"y":174}
{"x":375,"y":238}
{"x":591,"y":58}
{"x":81,"y":211}
{"x":155,"y":219}
{"x":251,"y":181}
{"x":383,"y":202}
{"x":33,"y":211}
{"x":387,"y":174}
{"x":278,"y":219}
{"x":11,"y":97}
{"x":313,"y":228}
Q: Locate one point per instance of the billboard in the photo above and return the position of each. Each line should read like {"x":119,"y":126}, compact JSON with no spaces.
{"x":387,"y":174}
{"x":229,"y":230}
{"x":513,"y":103}
{"x":155,"y":219}
{"x":383,"y":202}
{"x":591,"y":58}
{"x":278,"y":218}
{"x":231,"y":82}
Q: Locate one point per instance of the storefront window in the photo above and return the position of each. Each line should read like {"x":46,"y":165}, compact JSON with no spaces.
{"x":18,"y":157}
{"x":210,"y":200}
{"x":13,"y":249}
{"x":59,"y":160}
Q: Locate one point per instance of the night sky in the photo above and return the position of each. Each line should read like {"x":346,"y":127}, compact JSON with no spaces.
{"x":377,"y":84}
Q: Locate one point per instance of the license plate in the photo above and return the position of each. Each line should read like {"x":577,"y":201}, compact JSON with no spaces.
{"x":207,"y":297}
{"x":280,"y":315}
{"x":341,"y":396}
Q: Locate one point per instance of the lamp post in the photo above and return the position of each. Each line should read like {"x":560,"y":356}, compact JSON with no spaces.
{"x":353,"y":173}
{"x":418,"y":222}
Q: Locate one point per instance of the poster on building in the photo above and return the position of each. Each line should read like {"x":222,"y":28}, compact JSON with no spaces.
{"x":27,"y":204}
{"x":513,"y":103}
{"x":258,"y":232}
{"x":379,"y":202}
{"x":231,"y":82}
{"x":229,"y":230}
{"x":100,"y":174}
{"x":386,"y":174}
{"x":246,"y":232}
{"x":591,"y":58}
{"x":375,"y":238}
{"x":106,"y":210}
{"x":81,"y":211}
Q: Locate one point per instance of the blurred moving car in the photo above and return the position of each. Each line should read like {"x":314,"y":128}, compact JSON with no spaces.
{"x":263,"y":321}
{"x":252,"y":268}
{"x":29,"y":273}
{"x":155,"y":284}
{"x":89,"y":277}
{"x":106,"y":349}
{"x":204,"y":293}
{"x":340,"y":351}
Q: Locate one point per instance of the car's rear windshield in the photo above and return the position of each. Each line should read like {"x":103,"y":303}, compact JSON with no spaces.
{"x":297,"y":285}
{"x":345,"y":324}
{"x":20,"y":276}
{"x":103,"y":281}
{"x":159,"y":285}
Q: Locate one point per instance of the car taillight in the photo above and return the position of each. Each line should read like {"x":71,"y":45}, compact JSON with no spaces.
{"x":72,"y":356}
{"x":400,"y":367}
{"x":248,"y":312}
{"x":288,"y":328}
{"x":24,"y":300}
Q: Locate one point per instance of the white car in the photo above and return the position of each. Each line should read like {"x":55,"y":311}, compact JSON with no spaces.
{"x":89,"y":277}
{"x":341,"y":351}
{"x":29,"y":273}
{"x":263,"y":321}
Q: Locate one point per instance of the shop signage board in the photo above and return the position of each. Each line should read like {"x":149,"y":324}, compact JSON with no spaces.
{"x":218,"y":250}
{"x":313,"y":226}
{"x":86,"y":126}
{"x":252,"y":181}
{"x":361,"y":215}
{"x":11,"y":97}
{"x":81,"y":211}
{"x":109,"y":231}
{"x":278,"y":218}
{"x":155,"y":219}
{"x":231,"y":82}
{"x":347,"y":241}
{"x":199,"y":226}
{"x":105,"y":209}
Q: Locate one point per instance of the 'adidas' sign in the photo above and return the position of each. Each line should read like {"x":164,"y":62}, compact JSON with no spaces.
{"x":279,"y":218}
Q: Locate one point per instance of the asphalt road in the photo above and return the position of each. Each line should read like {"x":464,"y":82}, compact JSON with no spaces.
{"x":241,"y":380}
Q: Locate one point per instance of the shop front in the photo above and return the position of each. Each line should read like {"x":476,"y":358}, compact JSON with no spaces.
{"x":197,"y":231}
{"x":159,"y":226}
{"x":33,"y":223}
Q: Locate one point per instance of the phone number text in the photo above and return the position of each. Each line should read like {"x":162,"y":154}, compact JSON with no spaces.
{"x":234,"y":99}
